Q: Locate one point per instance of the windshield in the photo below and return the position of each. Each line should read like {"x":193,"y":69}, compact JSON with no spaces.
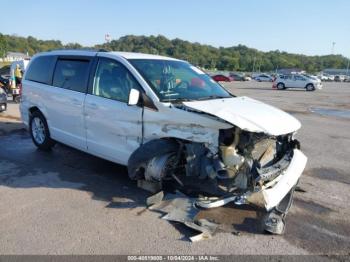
{"x":178,"y":80}
{"x":310,"y":77}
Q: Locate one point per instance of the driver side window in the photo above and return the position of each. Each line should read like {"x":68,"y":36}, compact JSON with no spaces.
{"x":113,"y":81}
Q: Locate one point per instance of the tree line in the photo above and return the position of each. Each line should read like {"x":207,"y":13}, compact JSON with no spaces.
{"x":236,"y":58}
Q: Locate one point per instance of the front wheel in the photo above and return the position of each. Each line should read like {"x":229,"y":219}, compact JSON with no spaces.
{"x":310,"y":87}
{"x":39,"y":132}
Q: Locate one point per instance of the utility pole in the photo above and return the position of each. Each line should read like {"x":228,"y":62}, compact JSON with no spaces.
{"x":347,"y":68}
{"x":254,"y":65}
{"x":108,"y":38}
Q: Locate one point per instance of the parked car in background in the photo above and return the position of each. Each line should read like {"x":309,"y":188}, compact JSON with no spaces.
{"x":240,"y":77}
{"x":311,"y":76}
{"x":330,"y":78}
{"x":222,"y":78}
{"x":3,"y":100}
{"x":339,"y":78}
{"x":263,"y":78}
{"x":5,"y":82}
{"x":323,"y":77}
{"x":5,"y":70}
{"x":296,"y":81}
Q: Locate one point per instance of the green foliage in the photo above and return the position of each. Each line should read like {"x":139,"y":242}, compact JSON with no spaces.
{"x":237,"y":58}
{"x":3,"y":45}
{"x":30,"y":44}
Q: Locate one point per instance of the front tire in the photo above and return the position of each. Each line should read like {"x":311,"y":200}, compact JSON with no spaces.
{"x":140,"y":157}
{"x":310,"y":87}
{"x":39,"y":132}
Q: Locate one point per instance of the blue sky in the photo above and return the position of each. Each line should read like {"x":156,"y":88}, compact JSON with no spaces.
{"x":297,"y":26}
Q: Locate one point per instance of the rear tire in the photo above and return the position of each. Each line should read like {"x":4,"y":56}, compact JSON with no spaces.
{"x":39,"y":132}
{"x":281,"y":86}
{"x":310,"y":87}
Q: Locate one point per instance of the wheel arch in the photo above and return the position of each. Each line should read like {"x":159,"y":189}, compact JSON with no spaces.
{"x":281,"y":83}
{"x":39,"y":109}
{"x":140,"y":157}
{"x":310,"y":83}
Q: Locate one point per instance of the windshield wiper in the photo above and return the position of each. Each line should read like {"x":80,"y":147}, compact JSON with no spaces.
{"x":212,"y":97}
{"x":172,"y":100}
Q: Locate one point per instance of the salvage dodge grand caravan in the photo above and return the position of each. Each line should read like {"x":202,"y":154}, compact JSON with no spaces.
{"x":166,"y":120}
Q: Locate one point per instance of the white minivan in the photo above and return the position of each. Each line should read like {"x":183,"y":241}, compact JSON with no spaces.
{"x":166,"y":120}
{"x":306,"y":82}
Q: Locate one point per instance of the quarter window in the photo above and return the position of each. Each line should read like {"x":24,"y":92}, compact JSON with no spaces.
{"x":71,"y":74}
{"x":40,"y":69}
{"x":113,"y":81}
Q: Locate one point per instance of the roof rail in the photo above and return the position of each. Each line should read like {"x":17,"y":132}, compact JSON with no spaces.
{"x":79,"y":49}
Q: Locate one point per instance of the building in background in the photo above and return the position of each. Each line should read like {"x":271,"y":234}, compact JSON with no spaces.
{"x":14,"y":56}
{"x":333,"y":71}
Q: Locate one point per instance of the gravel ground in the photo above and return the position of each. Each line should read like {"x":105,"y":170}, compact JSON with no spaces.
{"x":67,"y":202}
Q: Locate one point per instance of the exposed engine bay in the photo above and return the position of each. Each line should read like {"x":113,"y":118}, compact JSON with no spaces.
{"x":243,"y":171}
{"x":245,"y":161}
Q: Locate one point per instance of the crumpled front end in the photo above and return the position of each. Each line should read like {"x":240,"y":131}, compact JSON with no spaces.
{"x":220,"y":151}
{"x":269,"y":195}
{"x":256,"y":168}
{"x":247,"y":167}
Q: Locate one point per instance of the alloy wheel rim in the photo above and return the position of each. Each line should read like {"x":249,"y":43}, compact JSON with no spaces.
{"x":38,"y":130}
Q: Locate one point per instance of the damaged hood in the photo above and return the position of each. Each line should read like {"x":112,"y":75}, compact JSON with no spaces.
{"x":249,"y":114}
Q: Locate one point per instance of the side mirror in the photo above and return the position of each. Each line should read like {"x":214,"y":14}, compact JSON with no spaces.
{"x":134,"y":97}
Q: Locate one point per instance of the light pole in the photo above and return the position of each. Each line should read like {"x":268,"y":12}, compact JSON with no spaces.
{"x":108,"y":38}
{"x":254,"y":65}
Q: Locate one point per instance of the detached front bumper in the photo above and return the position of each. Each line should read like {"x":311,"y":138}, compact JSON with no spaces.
{"x":273,"y":192}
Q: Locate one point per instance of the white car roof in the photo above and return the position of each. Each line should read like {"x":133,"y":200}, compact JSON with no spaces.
{"x":130,"y":55}
{"x":126,"y":55}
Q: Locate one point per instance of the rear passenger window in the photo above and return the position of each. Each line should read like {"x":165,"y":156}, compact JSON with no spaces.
{"x":71,"y":74}
{"x":40,"y":69}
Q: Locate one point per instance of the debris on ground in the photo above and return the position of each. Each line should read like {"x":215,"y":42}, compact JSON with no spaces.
{"x":178,"y":207}
{"x":181,"y":208}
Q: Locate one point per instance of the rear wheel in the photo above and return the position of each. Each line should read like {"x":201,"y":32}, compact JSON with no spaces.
{"x":39,"y":132}
{"x":310,"y":87}
{"x":281,"y":86}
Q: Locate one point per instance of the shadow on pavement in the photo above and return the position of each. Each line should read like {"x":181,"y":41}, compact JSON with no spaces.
{"x":23,"y":166}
